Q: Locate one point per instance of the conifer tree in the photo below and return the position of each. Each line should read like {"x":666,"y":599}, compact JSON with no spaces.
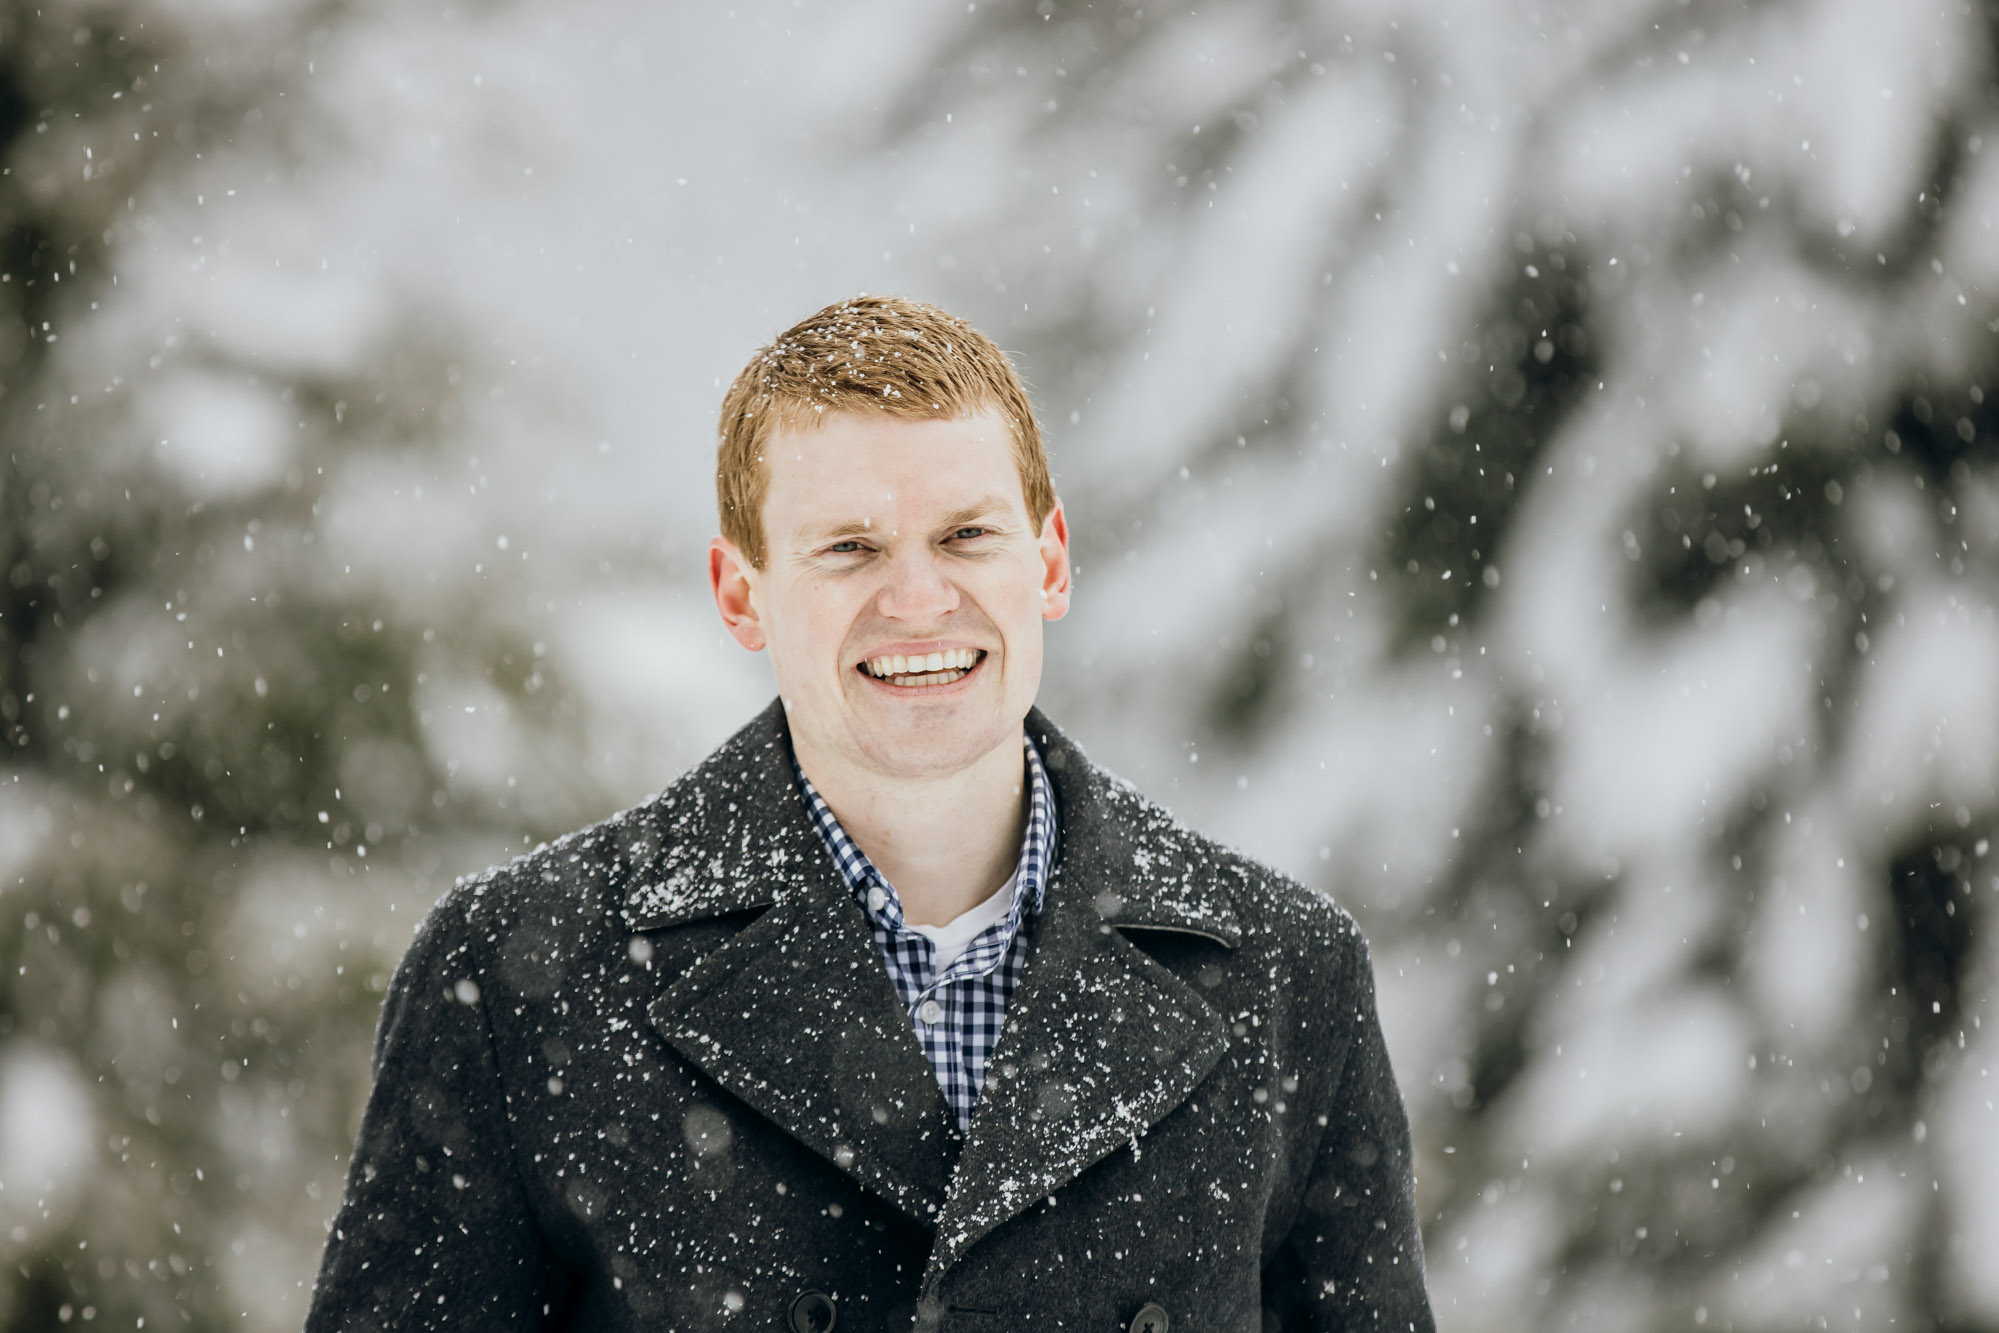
{"x":224,"y":801}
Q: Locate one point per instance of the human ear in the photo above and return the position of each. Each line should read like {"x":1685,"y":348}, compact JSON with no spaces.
{"x":733,"y":580}
{"x":1053,"y":547}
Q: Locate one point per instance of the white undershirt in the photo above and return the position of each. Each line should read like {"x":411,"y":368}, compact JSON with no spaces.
{"x":950,"y":940}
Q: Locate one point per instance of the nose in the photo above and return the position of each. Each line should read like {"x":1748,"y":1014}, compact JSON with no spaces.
{"x":917,"y":589}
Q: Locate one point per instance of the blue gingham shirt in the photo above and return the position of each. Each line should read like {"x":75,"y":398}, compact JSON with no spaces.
{"x":957,"y":1015}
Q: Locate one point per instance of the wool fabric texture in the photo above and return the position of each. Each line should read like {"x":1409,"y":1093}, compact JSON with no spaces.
{"x":655,"y":1076}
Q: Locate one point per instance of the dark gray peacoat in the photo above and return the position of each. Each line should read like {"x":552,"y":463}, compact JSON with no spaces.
{"x":655,"y":1076}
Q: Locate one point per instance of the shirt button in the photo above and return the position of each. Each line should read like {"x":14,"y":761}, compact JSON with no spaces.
{"x":876,"y":898}
{"x":930,"y":1011}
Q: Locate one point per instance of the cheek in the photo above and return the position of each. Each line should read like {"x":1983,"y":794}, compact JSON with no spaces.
{"x":1015,"y":608}
{"x":823,"y":614}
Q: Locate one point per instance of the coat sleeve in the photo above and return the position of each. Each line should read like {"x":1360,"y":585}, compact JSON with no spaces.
{"x":1353,"y":1258}
{"x":434,"y":1230}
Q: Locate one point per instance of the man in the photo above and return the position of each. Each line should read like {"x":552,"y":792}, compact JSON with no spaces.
{"x":896,"y":1011}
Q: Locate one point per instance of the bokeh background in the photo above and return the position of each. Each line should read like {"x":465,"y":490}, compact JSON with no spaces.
{"x":1534,"y":475}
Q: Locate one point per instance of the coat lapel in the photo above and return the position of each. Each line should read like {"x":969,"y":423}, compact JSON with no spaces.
{"x":794,"y":1014}
{"x":1100,"y":1042}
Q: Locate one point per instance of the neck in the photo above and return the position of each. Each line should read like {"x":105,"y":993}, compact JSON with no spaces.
{"x":946,"y":842}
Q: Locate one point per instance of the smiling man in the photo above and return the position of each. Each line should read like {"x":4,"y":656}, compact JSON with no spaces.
{"x":896,"y":1011}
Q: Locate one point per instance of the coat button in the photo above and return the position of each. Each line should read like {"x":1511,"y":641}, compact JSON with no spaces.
{"x":813,"y":1312}
{"x":1151,"y":1318}
{"x":930,"y":1012}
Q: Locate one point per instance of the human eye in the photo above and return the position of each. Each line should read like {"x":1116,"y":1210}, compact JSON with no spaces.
{"x":845,"y":553}
{"x":968,"y":534}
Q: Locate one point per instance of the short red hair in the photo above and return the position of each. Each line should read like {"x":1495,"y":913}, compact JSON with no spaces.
{"x":868,"y":354}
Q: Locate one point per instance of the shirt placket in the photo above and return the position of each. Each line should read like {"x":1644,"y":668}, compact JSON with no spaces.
{"x":942,"y":1027}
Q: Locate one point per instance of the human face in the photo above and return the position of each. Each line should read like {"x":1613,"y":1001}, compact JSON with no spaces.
{"x":889,"y":538}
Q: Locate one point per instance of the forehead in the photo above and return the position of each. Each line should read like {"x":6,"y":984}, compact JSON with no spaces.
{"x":862,"y":465}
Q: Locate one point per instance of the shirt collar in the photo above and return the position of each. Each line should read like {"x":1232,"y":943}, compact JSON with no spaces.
{"x":730,"y":836}
{"x":1037,"y":851}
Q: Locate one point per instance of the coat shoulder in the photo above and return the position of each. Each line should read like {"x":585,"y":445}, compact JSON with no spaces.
{"x":577,"y":875}
{"x":1270,"y":907}
{"x":1275,"y":907}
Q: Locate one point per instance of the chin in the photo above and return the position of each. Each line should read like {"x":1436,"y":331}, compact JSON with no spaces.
{"x":917,"y":747}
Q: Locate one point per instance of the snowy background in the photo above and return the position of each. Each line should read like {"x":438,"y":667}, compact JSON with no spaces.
{"x":1533,"y":474}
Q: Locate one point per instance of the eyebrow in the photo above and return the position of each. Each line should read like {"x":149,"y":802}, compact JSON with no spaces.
{"x":983,"y":508}
{"x":835,"y":532}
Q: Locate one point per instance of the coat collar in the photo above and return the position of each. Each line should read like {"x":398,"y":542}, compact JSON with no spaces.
{"x":796,"y":1015}
{"x":732,"y":836}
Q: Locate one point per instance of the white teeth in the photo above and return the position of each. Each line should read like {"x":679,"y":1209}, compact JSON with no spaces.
{"x":928,"y":678}
{"x":923,"y":668}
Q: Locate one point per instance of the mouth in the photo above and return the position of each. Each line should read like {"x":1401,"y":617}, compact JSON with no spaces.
{"x":922,"y":670}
